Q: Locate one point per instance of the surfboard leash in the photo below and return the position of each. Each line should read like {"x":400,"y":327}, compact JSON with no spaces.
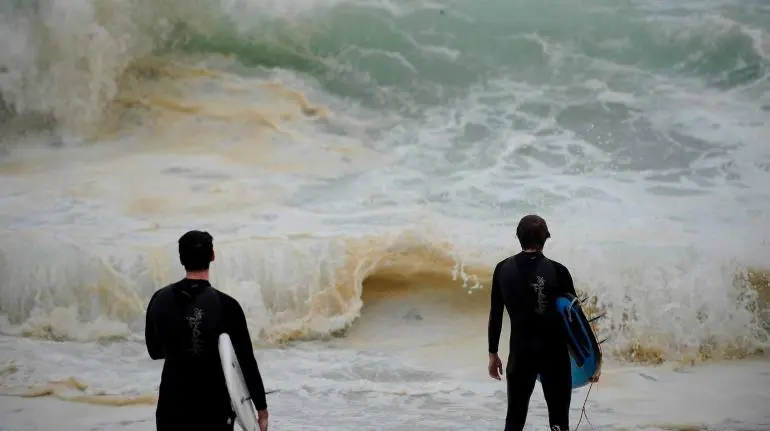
{"x":583,"y":413}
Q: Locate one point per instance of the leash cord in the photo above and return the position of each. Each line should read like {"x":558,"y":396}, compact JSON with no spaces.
{"x":583,"y":413}
{"x":583,"y":409}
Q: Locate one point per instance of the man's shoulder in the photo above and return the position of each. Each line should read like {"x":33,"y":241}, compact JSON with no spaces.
{"x":227,"y":301}
{"x":559,"y":266}
{"x":162,"y":291}
{"x":502,"y":264}
{"x":158,"y":301}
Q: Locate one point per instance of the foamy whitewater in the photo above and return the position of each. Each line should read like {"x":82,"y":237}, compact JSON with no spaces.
{"x":362,"y":165}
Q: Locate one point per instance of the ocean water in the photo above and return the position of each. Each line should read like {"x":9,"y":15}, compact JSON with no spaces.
{"x":361,"y":165}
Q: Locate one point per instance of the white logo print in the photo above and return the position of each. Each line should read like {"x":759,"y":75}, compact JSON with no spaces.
{"x":194,"y":321}
{"x":556,"y":428}
{"x":541,"y":300}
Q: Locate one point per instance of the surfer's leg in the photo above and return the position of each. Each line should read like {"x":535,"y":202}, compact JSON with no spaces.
{"x":212,"y":425}
{"x":556,"y":379}
{"x":520,"y":379}
{"x":229,"y":425}
{"x":219,"y":424}
{"x":194,"y":422}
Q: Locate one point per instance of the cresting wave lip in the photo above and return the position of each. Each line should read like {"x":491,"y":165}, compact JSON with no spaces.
{"x":67,"y":60}
{"x":312,"y":287}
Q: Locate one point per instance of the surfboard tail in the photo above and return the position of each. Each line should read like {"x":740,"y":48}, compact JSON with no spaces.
{"x":585,"y":352}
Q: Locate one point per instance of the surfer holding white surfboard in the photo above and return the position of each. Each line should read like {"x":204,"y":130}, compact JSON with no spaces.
{"x":184,"y":324}
{"x":537,"y":292}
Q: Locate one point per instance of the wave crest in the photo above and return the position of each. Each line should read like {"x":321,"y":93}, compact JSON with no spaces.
{"x":309,"y":287}
{"x":66,"y":59}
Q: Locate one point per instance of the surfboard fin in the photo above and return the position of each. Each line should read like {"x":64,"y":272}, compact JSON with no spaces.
{"x":597,"y":318}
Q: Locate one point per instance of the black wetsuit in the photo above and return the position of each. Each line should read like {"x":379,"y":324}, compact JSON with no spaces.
{"x":184,"y":321}
{"x":527,"y":285}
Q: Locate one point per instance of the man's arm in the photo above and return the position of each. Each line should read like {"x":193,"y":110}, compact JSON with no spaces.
{"x":151,"y":339}
{"x":495,"y":312}
{"x":567,"y":283}
{"x":239,"y":333}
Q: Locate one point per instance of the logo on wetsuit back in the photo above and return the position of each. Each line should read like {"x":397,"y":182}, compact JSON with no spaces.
{"x":538,"y":287}
{"x":194,"y":321}
{"x":556,"y":428}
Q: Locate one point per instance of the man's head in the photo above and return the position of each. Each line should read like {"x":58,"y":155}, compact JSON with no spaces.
{"x":532,"y":232}
{"x":196,"y":250}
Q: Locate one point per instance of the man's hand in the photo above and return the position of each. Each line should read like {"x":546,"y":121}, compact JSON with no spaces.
{"x":495,"y":366}
{"x":262,"y":419}
{"x":595,"y":377}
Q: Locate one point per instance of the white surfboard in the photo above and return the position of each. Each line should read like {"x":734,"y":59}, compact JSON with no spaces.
{"x":246,"y":413}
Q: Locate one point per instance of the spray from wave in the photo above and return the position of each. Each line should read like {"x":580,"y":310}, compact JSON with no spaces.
{"x":476,"y":99}
{"x":307,"y":287}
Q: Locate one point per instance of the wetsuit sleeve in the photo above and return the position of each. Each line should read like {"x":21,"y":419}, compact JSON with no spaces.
{"x":239,"y":333}
{"x":151,"y":339}
{"x":567,"y":283}
{"x":495,"y":312}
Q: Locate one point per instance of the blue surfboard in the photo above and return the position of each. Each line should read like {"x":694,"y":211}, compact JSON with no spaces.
{"x":585,"y":354}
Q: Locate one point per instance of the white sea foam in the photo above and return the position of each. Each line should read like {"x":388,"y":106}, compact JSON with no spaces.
{"x":369,"y":184}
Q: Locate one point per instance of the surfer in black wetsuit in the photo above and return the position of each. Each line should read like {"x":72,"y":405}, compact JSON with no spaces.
{"x":527,"y":285}
{"x":184,"y":321}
